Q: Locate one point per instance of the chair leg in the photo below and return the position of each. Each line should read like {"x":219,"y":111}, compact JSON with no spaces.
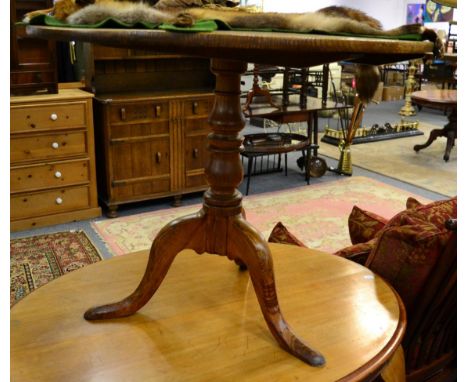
{"x":286,"y":164}
{"x":249,"y":173}
{"x":307,"y":165}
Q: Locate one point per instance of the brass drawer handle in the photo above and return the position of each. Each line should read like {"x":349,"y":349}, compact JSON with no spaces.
{"x":195,"y":107}
{"x":158,"y":111}
{"x":58,"y":174}
{"x":123,"y":115}
{"x":59,"y":200}
{"x":53,"y":116}
{"x":55,"y":145}
{"x":195,"y":153}
{"x":158,"y":157}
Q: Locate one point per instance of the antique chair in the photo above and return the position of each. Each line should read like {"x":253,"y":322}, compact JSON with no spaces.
{"x":415,"y":252}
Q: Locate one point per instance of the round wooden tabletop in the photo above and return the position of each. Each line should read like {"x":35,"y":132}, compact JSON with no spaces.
{"x":205,"y":324}
{"x":442,"y":97}
{"x":285,"y":49}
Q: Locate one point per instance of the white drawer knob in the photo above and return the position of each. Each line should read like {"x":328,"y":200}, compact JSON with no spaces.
{"x":53,"y":117}
{"x":59,"y":200}
{"x":55,"y":145}
{"x":58,"y":174}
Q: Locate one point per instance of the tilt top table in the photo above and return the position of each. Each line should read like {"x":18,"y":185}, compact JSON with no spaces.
{"x":442,"y":99}
{"x":220,"y":227}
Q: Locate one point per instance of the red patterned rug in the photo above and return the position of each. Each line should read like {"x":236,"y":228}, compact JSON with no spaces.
{"x":316,"y":214}
{"x":36,"y":260}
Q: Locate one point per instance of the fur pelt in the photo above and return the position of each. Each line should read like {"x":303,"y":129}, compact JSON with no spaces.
{"x":124,"y":11}
{"x":331,"y":19}
{"x":187,"y":12}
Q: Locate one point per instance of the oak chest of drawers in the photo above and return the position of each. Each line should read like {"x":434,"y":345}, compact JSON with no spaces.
{"x":150,"y":145}
{"x":53,"y":171}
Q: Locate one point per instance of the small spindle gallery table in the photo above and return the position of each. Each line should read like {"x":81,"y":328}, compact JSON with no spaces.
{"x":204,"y":324}
{"x":442,"y":99}
{"x":220,"y":227}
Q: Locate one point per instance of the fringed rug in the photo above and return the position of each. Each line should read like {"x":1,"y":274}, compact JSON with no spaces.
{"x":316,"y":214}
{"x":36,"y":260}
{"x":396,"y":159}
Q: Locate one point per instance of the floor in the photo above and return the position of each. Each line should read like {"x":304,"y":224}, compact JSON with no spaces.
{"x":375,"y":113}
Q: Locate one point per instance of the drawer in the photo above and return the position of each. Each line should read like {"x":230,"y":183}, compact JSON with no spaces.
{"x":47,"y":146}
{"x":198,"y":107}
{"x":139,"y":112}
{"x":47,"y":117}
{"x":49,"y":202}
{"x":49,"y":175}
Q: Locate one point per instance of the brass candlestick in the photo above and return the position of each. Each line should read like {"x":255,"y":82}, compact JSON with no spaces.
{"x":408,"y":110}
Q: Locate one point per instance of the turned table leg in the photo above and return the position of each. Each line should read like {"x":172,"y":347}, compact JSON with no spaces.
{"x":451,"y":133}
{"x":220,"y":226}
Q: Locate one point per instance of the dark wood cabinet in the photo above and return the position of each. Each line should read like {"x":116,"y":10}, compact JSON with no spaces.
{"x":150,"y":117}
{"x":150,"y":146}
{"x":33,"y":68}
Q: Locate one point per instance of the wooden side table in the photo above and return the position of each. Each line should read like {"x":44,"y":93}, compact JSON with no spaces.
{"x":220,"y":227}
{"x":261,"y":144}
{"x":293,"y":112}
{"x":444,"y":99}
{"x":204,"y":323}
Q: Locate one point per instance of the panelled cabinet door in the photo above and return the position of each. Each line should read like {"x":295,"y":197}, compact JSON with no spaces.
{"x":140,"y":167}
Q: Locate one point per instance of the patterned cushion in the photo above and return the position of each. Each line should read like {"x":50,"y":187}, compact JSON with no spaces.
{"x":439,"y":212}
{"x":436,"y":213}
{"x":364,"y":225}
{"x":280,"y":234}
{"x":405,"y":254}
{"x":412,"y":203}
{"x":357,"y":252}
{"x":408,"y":247}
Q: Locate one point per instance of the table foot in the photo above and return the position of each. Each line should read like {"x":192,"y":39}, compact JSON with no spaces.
{"x":433,"y":135}
{"x":451,"y":136}
{"x":173,"y":238}
{"x":248,"y":245}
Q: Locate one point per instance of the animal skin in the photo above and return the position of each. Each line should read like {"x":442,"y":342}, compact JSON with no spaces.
{"x":186,"y":12}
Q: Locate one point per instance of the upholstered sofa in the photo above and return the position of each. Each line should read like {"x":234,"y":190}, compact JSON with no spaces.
{"x":415,"y":252}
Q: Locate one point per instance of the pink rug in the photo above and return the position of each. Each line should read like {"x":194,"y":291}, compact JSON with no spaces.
{"x":316,"y":214}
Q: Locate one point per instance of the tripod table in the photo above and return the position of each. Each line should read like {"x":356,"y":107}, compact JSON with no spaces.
{"x":220,"y":227}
